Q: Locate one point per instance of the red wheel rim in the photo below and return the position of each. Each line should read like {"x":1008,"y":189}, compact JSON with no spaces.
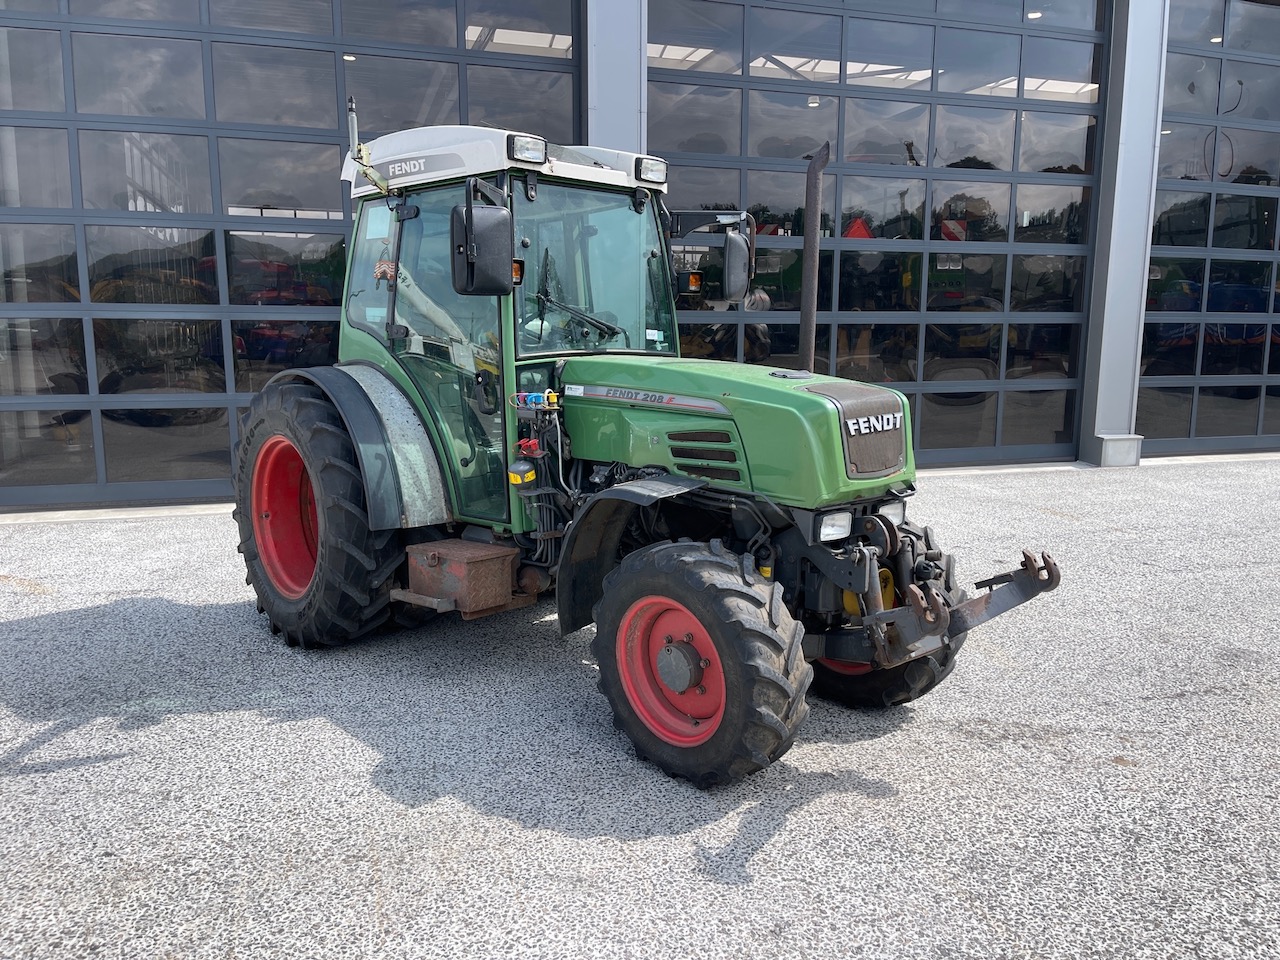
{"x":682,"y":719}
{"x":284,"y":516}
{"x":850,"y":668}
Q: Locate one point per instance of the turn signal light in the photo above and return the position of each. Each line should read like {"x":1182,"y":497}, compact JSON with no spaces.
{"x":517,"y":272}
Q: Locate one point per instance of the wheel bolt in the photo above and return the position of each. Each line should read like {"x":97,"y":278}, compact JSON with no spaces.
{"x":701,"y":688}
{"x":704,"y":663}
{"x":688,"y":638}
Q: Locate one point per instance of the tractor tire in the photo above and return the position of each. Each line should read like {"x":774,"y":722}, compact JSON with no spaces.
{"x":863,"y":687}
{"x":322,"y":577}
{"x":729,"y":696}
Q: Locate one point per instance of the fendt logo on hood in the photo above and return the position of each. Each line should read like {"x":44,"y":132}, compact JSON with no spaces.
{"x":876,"y":423}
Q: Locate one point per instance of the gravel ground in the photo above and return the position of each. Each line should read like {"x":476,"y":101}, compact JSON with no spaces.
{"x":1098,"y":778}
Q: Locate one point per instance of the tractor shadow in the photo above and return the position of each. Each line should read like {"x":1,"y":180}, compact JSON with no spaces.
{"x":500,"y":714}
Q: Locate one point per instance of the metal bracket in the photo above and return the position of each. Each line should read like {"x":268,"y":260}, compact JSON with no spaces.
{"x":1006,"y":591}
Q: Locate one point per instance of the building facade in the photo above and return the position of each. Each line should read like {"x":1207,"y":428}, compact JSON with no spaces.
{"x":1014,"y":232}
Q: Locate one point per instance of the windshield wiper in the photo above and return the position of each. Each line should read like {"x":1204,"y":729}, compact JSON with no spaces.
{"x":546,"y":300}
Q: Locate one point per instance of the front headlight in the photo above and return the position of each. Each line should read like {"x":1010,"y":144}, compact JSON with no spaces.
{"x":895,"y":511}
{"x":835,"y":526}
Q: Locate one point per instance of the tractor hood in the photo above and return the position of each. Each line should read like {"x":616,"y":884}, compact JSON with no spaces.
{"x":801,"y":439}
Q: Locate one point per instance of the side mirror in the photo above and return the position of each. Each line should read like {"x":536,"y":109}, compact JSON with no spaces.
{"x":483,"y":248}
{"x":737,"y":266}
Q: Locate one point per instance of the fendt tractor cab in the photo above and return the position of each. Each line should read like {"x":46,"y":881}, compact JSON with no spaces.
{"x":510,"y":414}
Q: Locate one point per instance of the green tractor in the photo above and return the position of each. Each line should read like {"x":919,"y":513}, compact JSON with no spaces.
{"x":510,"y":414}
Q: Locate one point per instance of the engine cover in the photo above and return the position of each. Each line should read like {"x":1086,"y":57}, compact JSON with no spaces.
{"x":872,"y":426}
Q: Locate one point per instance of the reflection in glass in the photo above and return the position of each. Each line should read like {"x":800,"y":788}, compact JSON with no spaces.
{"x":166,"y":444}
{"x":877,"y":352}
{"x":265,"y":347}
{"x":1038,"y":416}
{"x":151,"y":265}
{"x":40,"y":356}
{"x":1047,"y":283}
{"x":970,"y":211}
{"x":1084,"y":14}
{"x":285,"y":16}
{"x":1227,"y":411}
{"x":1042,"y":351}
{"x":41,"y":447}
{"x":684,"y":118}
{"x":185,"y":10}
{"x":1239,"y":286}
{"x":1244,"y":222}
{"x":1233,"y":349}
{"x":398,"y":94}
{"x":786,"y":45}
{"x":159,"y":356}
{"x":1056,"y":143}
{"x":537,"y":101}
{"x":1000,"y":11}
{"x":302,"y":81}
{"x":138,"y":76}
{"x":695,"y":35}
{"x":961,"y":419}
{"x":881,"y":207}
{"x":1273,"y":361}
{"x":1255,"y":27}
{"x":1248,"y":156}
{"x":1052,"y":213}
{"x":978,"y":62}
{"x":703,"y":188}
{"x":974,"y":137}
{"x":1164,"y":413}
{"x":1174,"y":284}
{"x":778,"y":279}
{"x":1191,"y":84}
{"x":1181,"y":219}
{"x":39,"y":263}
{"x":1186,"y":151}
{"x":1195,"y":21}
{"x":711,"y":341}
{"x":285,"y":268}
{"x":413,"y":22}
{"x":35,"y":170}
{"x":966,"y":282}
{"x":878,"y":53}
{"x":870,"y":280}
{"x":886,"y":131}
{"x":145,"y":172}
{"x":776,"y":201}
{"x":33,"y":6}
{"x":1169,"y":349}
{"x":33,"y":80}
{"x":1249,"y":91}
{"x":1271,"y":411}
{"x":1061,"y":70}
{"x":539,"y":28}
{"x":267,"y":178}
{"x":969,"y":351}
{"x":789,"y":125}
{"x":778,"y":345}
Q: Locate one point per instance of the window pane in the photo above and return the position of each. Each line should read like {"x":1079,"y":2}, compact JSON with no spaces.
{"x":1169,"y":349}
{"x":265,"y":178}
{"x":188,"y":10}
{"x":1164,"y":412}
{"x":1051,"y":213}
{"x":974,"y":137}
{"x":1057,"y":143}
{"x":878,"y":53}
{"x":241,"y":73}
{"x":789,"y":125}
{"x":1181,"y":219}
{"x":879,"y":281}
{"x":776,"y":200}
{"x":695,"y":35}
{"x":265,"y":347}
{"x":1271,"y":411}
{"x":413,"y":22}
{"x":1255,"y":26}
{"x":966,"y":282}
{"x":966,"y":419}
{"x":39,"y":263}
{"x":149,"y":172}
{"x":41,"y":356}
{"x":688,"y":119}
{"x":880,"y":207}
{"x":138,"y":76}
{"x":713,"y":341}
{"x":1249,"y":91}
{"x":399,"y":94}
{"x":778,"y":344}
{"x":37,"y":171}
{"x":970,"y":61}
{"x":1239,"y":286}
{"x":1042,"y":351}
{"x":1061,"y":70}
{"x":969,"y":351}
{"x":1001,"y":11}
{"x":535,"y":101}
{"x":877,"y":352}
{"x":1186,"y":151}
{"x":1083,"y":14}
{"x":540,"y":28}
{"x":709,"y":260}
{"x":1233,"y":349}
{"x":33,"y":80}
{"x":41,"y":447}
{"x":285,"y":16}
{"x":1191,"y":84}
{"x":1174,"y":284}
{"x":168,"y":444}
{"x":703,"y":188}
{"x":778,"y":278}
{"x":786,"y":45}
{"x":159,"y":356}
{"x":1248,"y":156}
{"x":886,"y":131}
{"x":1039,"y":416}
{"x":1195,"y":21}
{"x":970,"y":211}
{"x":33,"y":6}
{"x":151,"y":265}
{"x":1273,"y":362}
{"x":285,"y":268}
{"x":1043,"y":283}
{"x":1244,"y":222}
{"x":1227,"y":411}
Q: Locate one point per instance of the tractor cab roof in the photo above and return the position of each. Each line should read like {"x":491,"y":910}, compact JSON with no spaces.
{"x":426,"y":155}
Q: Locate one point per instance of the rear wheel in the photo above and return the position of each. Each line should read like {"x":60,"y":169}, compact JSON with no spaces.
{"x":701,"y":662}
{"x":321,"y":575}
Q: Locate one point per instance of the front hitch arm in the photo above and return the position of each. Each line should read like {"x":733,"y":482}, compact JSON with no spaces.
{"x":1006,"y":591}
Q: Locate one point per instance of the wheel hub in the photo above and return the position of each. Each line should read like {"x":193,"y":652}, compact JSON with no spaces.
{"x":679,"y":666}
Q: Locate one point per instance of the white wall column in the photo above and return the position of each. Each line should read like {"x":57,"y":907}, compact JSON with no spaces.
{"x":616,"y":65}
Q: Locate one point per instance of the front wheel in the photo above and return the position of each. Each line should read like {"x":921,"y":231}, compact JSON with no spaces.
{"x":701,"y":662}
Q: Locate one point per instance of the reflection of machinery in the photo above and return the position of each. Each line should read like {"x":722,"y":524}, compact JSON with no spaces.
{"x":274,"y":282}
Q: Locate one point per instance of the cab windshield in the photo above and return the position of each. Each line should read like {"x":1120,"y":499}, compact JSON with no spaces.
{"x":596,"y":277}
